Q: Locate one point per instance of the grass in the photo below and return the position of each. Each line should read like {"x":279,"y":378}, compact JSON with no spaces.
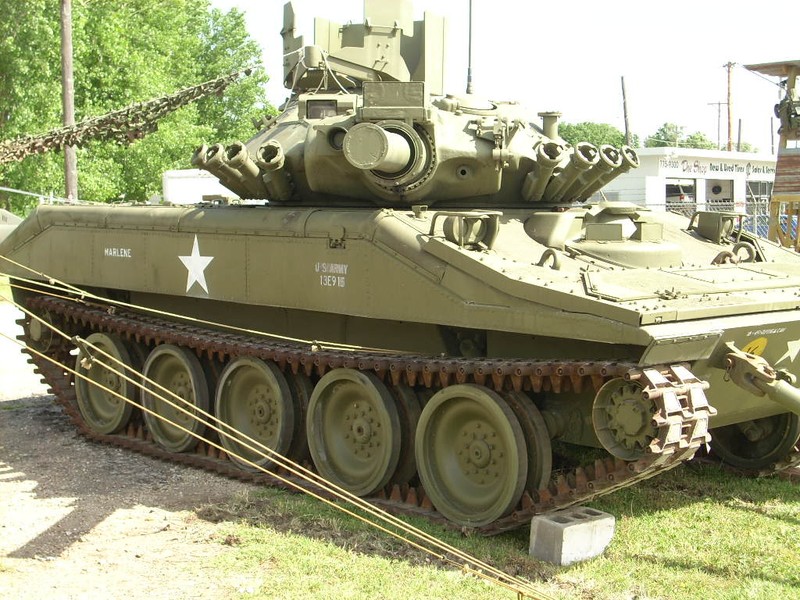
{"x":699,"y":532}
{"x":695,"y":532}
{"x":303,"y":549}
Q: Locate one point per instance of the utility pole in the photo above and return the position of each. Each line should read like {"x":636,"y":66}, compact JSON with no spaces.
{"x":739,"y":137}
{"x":469,"y":52}
{"x":719,"y":106}
{"x":772,"y":135}
{"x":68,"y":99}
{"x":625,"y":113}
{"x":729,"y":66}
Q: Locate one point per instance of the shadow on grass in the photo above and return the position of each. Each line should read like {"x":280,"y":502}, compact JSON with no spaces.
{"x":692,"y":564}
{"x":702,"y":481}
{"x":758,"y":510}
{"x":150,"y":481}
{"x":679,"y":488}
{"x":289,"y":513}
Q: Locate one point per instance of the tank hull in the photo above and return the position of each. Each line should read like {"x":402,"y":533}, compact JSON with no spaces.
{"x":387,"y":279}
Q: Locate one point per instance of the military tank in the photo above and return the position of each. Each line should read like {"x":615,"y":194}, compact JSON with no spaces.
{"x":416,"y":294}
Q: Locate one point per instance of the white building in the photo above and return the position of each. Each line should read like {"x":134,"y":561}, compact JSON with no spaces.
{"x":188,"y":186}
{"x":687,"y":179}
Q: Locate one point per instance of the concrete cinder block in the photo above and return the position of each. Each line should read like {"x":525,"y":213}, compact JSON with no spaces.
{"x":571,"y":535}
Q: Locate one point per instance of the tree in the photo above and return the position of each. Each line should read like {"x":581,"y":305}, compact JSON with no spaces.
{"x":671,"y":135}
{"x":594,"y":133}
{"x":124,"y":52}
{"x":699,"y":140}
{"x":30,"y":88}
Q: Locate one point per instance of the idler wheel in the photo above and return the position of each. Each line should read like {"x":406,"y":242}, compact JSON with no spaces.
{"x":178,"y":371}
{"x":623,"y":419}
{"x":757,"y":444}
{"x":353,"y":429}
{"x":471,"y":454}
{"x":98,"y":389}
{"x":253,"y":397}
{"x":39,"y":335}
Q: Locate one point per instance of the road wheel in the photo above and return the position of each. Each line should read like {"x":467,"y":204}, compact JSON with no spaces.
{"x":253,"y":397}
{"x":102,"y":392}
{"x":471,"y":454}
{"x":178,"y":371}
{"x":353,"y":429}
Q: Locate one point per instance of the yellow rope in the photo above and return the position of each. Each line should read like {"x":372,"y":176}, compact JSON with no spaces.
{"x":471,"y":564}
{"x":55,"y":284}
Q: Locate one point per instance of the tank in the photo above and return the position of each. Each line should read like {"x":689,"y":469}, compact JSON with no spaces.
{"x":415,"y":294}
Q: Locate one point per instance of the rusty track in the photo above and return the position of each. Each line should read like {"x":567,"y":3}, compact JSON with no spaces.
{"x":684,"y":409}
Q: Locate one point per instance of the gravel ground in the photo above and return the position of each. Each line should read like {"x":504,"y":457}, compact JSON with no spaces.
{"x":82,"y":520}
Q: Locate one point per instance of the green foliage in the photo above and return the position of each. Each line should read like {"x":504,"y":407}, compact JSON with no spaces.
{"x":124,"y":52}
{"x":226,"y":48}
{"x":595,"y":133}
{"x":747,"y":147}
{"x":672,"y":135}
{"x":699,"y":140}
{"x":668,"y":135}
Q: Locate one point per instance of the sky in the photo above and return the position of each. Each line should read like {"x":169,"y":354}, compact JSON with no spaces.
{"x":571,"y":56}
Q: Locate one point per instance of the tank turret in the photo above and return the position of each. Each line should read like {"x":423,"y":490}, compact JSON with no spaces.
{"x":367,"y":123}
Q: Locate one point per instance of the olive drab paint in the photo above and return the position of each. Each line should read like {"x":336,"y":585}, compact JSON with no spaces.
{"x":379,"y":213}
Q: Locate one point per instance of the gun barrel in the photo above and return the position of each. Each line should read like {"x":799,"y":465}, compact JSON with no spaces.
{"x":216,"y":165}
{"x":548,"y":157}
{"x":207,"y":159}
{"x":199,"y":157}
{"x":630,"y":160}
{"x":271,"y":159}
{"x":370,"y":147}
{"x":610,"y":159}
{"x":238,"y":159}
{"x":582,"y":159}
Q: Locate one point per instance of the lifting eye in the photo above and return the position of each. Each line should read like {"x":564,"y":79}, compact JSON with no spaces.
{"x":464,"y":231}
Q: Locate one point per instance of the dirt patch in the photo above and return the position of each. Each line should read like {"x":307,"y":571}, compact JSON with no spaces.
{"x":82,"y":520}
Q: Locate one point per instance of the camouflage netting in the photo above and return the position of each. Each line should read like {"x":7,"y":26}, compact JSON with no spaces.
{"x":123,"y":126}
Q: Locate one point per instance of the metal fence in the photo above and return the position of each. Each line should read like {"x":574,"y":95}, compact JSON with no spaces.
{"x":755,"y":217}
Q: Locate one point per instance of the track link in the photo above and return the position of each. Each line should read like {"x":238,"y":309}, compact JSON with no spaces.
{"x":679,"y":398}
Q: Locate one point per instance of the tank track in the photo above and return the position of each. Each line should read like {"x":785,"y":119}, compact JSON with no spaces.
{"x":787,"y":467}
{"x":685,"y":409}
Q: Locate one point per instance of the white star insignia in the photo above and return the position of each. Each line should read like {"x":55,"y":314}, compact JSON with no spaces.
{"x":792,"y":350}
{"x":196,"y":265}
